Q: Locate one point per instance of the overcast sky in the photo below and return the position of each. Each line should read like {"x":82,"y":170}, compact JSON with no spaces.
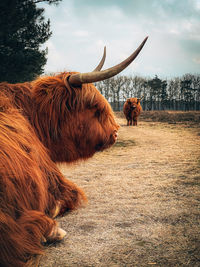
{"x":81,"y":29}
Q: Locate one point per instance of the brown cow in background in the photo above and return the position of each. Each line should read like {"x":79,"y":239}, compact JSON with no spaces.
{"x":52,"y":119}
{"x":132,"y":109}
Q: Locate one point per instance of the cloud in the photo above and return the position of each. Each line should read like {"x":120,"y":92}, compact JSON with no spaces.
{"x":81,"y":33}
{"x":82,"y":28}
{"x":197,"y":60}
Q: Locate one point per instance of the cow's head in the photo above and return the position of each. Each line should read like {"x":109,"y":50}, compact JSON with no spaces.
{"x":76,"y":120}
{"x":133,"y":103}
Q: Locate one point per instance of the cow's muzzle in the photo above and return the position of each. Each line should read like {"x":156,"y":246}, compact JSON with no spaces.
{"x":115,"y":135}
{"x":133,"y":107}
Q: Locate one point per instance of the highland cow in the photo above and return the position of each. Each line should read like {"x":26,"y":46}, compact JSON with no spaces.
{"x":132,"y":110}
{"x":52,"y":119}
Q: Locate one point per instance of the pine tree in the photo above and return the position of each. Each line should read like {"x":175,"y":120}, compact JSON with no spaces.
{"x":22,"y":31}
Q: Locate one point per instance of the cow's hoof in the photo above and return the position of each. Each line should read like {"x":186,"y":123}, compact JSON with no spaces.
{"x":57,"y":234}
{"x":57,"y":210}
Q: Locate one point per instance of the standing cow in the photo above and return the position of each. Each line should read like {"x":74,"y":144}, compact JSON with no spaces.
{"x":132,"y":109}
{"x":52,"y":119}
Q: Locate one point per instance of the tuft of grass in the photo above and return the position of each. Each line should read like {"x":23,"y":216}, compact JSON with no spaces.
{"x":189,"y":181}
{"x":125,"y":143}
{"x":141,"y":243}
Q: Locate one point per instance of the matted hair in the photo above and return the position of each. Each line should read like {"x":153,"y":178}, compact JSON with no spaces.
{"x":30,"y":187}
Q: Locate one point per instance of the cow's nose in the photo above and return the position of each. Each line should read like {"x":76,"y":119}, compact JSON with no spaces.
{"x":115,"y":135}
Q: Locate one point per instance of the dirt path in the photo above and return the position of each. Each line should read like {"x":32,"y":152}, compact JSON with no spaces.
{"x":143,"y":205}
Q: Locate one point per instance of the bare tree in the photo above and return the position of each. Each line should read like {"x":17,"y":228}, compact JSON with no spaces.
{"x":156,"y":93}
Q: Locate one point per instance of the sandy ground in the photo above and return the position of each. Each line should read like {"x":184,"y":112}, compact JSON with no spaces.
{"x":143,"y":207}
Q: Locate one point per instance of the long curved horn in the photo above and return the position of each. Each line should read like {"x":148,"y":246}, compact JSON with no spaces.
{"x":95,"y":76}
{"x":99,"y":67}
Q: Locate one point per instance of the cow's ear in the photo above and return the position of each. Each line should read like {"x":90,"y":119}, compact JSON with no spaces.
{"x":138,"y":100}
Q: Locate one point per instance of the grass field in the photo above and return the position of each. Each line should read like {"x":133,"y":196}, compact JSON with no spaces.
{"x":144,"y":201}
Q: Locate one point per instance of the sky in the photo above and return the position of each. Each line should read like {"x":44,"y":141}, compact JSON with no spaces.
{"x":81,"y":29}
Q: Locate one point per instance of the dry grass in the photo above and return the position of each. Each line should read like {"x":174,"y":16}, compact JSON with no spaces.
{"x":143,"y":201}
{"x":190,"y":117}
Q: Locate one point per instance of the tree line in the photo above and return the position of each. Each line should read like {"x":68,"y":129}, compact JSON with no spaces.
{"x":180,"y":93}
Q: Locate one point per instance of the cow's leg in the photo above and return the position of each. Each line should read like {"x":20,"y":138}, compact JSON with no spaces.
{"x":38,"y":224}
{"x":135,"y":121}
{"x":48,"y":228}
{"x":72,"y":197}
{"x":63,"y":195}
{"x":21,"y":238}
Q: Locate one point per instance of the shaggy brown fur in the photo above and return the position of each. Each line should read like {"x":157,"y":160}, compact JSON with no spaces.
{"x":132,"y":109}
{"x":41,"y":123}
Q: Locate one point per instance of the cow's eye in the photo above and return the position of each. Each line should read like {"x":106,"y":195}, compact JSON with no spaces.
{"x":97,"y":113}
